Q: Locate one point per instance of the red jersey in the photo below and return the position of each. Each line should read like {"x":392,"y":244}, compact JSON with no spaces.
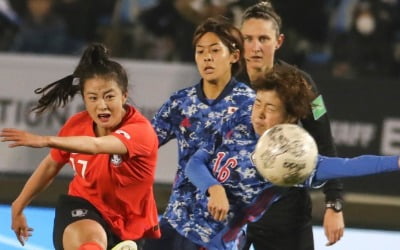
{"x":119,"y":186}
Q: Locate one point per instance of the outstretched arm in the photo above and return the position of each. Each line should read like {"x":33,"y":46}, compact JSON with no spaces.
{"x":336,"y":167}
{"x":78,"y":144}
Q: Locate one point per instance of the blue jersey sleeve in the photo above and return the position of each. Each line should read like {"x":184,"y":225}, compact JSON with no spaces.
{"x":162,"y":124}
{"x":197,"y":171}
{"x":336,"y":167}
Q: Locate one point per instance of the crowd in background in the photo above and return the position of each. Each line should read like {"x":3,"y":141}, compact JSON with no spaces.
{"x":350,"y":37}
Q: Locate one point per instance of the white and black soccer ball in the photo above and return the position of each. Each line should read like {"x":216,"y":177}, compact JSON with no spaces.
{"x":285,"y":155}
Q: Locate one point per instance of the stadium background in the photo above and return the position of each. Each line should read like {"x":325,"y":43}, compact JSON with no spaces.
{"x":362,"y":99}
{"x":365,"y":119}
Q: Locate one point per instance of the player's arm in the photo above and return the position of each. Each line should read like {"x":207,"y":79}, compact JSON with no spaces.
{"x":318,"y":125}
{"x":336,"y":167}
{"x":78,"y":144}
{"x":41,"y":178}
{"x":162,"y":123}
{"x":197,"y":172}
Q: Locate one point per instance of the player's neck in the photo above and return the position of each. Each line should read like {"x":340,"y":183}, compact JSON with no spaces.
{"x":212,"y":89}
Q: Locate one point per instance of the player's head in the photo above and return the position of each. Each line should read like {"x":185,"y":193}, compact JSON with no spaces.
{"x":218,"y":49}
{"x":261,"y":29}
{"x":102,"y":82}
{"x":282,"y":96}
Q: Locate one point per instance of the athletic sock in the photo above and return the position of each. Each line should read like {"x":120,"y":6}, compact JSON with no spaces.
{"x":90,"y":246}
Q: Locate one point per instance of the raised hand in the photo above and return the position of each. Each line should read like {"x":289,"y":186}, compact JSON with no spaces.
{"x":22,"y":138}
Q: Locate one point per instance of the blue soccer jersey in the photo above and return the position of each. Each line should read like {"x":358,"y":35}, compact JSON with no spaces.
{"x":228,"y":162}
{"x":228,"y":159}
{"x":190,"y":118}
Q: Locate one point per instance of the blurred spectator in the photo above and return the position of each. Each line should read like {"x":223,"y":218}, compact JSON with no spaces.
{"x":8,"y":24}
{"x":170,"y":28}
{"x":83,"y":17}
{"x":341,"y":15}
{"x":176,"y":21}
{"x":305,"y":28}
{"x":124,"y":34}
{"x":368,"y":47}
{"x":40,"y":30}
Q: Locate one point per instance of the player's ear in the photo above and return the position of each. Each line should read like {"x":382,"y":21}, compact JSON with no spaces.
{"x":280,"y":40}
{"x":235,"y":56}
{"x":124,"y":98}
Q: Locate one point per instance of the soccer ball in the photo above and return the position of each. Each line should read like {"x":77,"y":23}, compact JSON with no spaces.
{"x":285,"y":155}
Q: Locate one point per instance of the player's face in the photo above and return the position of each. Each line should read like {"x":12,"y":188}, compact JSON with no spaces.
{"x":213,"y":59}
{"x":260,"y":43}
{"x":104,"y":101}
{"x":268,"y":111}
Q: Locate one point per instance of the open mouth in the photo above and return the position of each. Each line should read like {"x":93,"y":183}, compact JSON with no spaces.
{"x":104,"y":117}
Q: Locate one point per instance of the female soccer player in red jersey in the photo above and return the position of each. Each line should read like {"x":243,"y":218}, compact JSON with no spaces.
{"x":113,"y":150}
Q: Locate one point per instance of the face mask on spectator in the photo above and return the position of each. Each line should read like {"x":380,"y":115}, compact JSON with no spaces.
{"x":365,"y":24}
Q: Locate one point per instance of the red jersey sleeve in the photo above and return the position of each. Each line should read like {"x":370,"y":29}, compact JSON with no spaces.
{"x":58,"y":155}
{"x":139,"y":138}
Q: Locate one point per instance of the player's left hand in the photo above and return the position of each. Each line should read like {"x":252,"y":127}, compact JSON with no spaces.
{"x":218,"y":204}
{"x":22,"y":138}
{"x":333,"y":226}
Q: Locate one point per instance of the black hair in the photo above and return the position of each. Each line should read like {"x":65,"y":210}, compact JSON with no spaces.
{"x":263,"y":10}
{"x":230,"y":36}
{"x":95,"y":62}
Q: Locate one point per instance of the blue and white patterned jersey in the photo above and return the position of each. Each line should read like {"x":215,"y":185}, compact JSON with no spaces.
{"x":228,"y":161}
{"x":228,"y":158}
{"x":192,"y":119}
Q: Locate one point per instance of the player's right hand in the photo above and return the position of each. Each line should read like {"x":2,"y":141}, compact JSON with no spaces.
{"x":20,"y":227}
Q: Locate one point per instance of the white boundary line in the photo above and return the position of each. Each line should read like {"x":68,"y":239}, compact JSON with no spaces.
{"x":14,"y":243}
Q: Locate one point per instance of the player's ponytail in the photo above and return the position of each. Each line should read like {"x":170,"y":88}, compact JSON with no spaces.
{"x":95,"y":62}
{"x":56,"y":94}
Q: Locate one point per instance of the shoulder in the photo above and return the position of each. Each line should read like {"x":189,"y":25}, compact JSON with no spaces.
{"x":136,"y":126}
{"x":243,"y":88}
{"x":185,"y":92}
{"x":80,"y":123}
{"x":306,"y":75}
{"x":134,"y":116}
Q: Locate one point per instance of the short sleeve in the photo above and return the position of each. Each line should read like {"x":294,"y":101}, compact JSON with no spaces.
{"x":139,"y":138}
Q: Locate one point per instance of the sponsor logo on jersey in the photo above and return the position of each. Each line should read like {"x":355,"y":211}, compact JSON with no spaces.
{"x":125,"y":134}
{"x":116,"y":160}
{"x":79,"y":212}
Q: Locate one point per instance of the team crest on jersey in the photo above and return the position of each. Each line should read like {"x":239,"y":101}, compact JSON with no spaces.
{"x":79,"y":212}
{"x":125,"y":134}
{"x":232,"y":110}
{"x":116,"y":160}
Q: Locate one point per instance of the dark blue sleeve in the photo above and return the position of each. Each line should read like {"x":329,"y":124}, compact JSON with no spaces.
{"x":335,"y":167}
{"x":197,"y":172}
